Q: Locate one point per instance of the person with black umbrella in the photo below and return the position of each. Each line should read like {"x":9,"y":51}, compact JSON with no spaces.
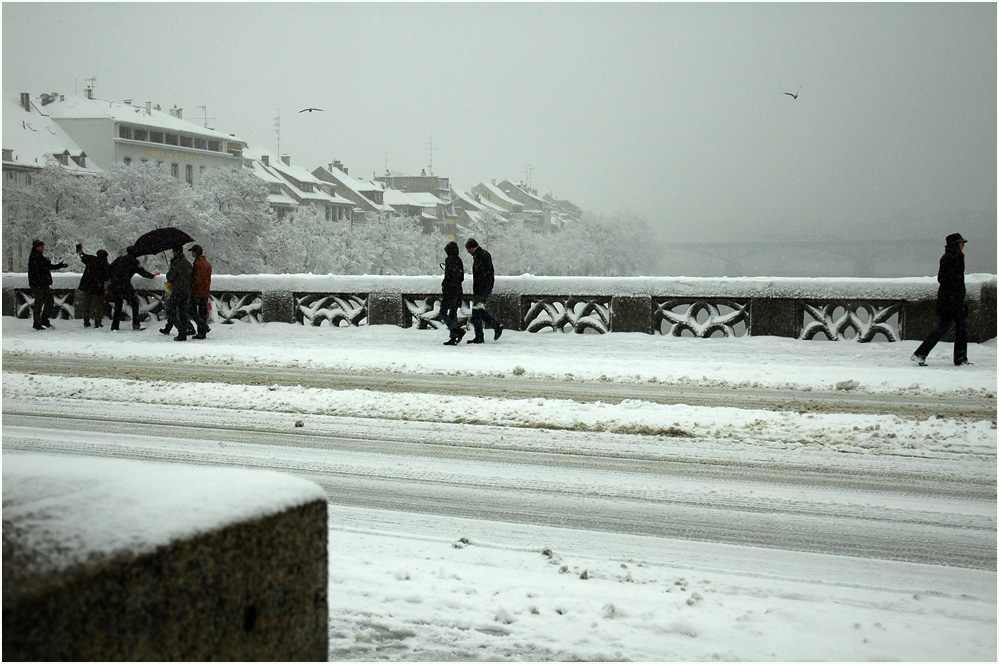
{"x":40,"y":283}
{"x":120,"y":273}
{"x":951,"y":307}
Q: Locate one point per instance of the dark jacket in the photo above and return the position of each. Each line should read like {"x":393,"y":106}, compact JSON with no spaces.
{"x":201,"y":281}
{"x":950,"y":295}
{"x":122,"y":270}
{"x":179,"y":275}
{"x":483,"y":277}
{"x":40,"y":269}
{"x":454,"y":274}
{"x":95,"y":271}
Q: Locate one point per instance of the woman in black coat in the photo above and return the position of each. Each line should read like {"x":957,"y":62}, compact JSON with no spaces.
{"x":951,"y":307}
{"x":92,"y":285}
{"x":120,"y":274}
{"x":454,"y":274}
{"x":40,"y":283}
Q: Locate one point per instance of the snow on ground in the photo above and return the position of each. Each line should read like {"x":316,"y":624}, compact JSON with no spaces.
{"x":423,"y":587}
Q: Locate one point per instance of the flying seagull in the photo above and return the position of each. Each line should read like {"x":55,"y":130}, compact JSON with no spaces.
{"x":309,"y":110}
{"x":793,"y":95}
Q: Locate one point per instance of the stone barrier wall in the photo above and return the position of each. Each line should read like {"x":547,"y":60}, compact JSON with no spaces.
{"x":806,"y":309}
{"x":249,"y":592}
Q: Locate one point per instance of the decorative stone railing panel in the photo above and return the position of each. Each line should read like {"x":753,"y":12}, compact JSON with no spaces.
{"x":339,"y":310}
{"x":568,"y":314}
{"x":701,"y":318}
{"x":859,"y":321}
{"x":236,"y":307}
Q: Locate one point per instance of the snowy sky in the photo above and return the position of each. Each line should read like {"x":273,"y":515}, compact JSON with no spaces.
{"x":674,"y":111}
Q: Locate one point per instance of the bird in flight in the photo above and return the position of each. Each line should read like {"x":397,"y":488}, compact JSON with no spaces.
{"x":309,"y":110}
{"x":793,"y":95}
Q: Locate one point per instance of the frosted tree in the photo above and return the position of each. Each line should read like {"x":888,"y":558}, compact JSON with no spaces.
{"x":232,"y":219}
{"x":58,"y":207}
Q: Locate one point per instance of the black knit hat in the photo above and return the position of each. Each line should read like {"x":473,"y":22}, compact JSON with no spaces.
{"x":470,"y":242}
{"x":37,"y":243}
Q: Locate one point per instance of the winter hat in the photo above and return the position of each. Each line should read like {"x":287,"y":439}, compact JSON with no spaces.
{"x":37,"y":243}
{"x":470,"y":242}
{"x":196,"y":249}
{"x":954,"y":238}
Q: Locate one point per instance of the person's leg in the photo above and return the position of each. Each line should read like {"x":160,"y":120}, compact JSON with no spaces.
{"x":86,"y":303}
{"x":961,"y":341}
{"x":97,"y":308}
{"x":49,"y":310}
{"x":133,"y":299}
{"x":37,"y":305}
{"x":477,"y":324}
{"x":934,"y":338}
{"x":119,"y":304}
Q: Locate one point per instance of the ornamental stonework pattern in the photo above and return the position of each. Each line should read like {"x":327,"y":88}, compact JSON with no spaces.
{"x":859,"y":321}
{"x":343,"y":310}
{"x":567,"y":314}
{"x":426,"y":312}
{"x":701,"y":318}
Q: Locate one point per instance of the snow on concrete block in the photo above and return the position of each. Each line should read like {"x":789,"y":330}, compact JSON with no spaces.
{"x":110,"y":559}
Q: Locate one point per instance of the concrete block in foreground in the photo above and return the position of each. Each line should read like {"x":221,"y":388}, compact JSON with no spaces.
{"x":108,"y":559}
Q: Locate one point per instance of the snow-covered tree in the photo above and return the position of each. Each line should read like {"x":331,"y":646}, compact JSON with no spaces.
{"x":232,"y":219}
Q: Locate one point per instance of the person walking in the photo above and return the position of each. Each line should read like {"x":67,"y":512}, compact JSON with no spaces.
{"x":40,"y":283}
{"x":483,"y":280}
{"x":120,"y":275}
{"x":951,"y":307}
{"x":179,"y":279}
{"x":93,"y":284}
{"x":201,"y":290}
{"x":454,"y":274}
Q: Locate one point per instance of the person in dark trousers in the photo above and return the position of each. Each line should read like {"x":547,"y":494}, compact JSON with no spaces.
{"x":179,"y":279}
{"x":201,"y":290}
{"x":951,"y":307}
{"x":454,"y":274}
{"x":483,"y":279}
{"x":40,"y":283}
{"x":120,"y":275}
{"x":93,"y":284}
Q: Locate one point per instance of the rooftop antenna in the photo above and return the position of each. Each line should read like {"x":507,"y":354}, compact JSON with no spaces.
{"x":386,"y":164}
{"x":277,"y":130}
{"x":89,"y":90}
{"x":430,"y":166}
{"x":529,"y":172}
{"x":206,"y":118}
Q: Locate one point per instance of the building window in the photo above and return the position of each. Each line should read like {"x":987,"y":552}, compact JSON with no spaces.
{"x":156,"y":137}
{"x":189,"y":174}
{"x":127,"y":161}
{"x":200,"y":144}
{"x":185,"y":141}
{"x":140,"y":135}
{"x":175,"y":170}
{"x":214,"y":146}
{"x":171,"y":139}
{"x":125,"y":132}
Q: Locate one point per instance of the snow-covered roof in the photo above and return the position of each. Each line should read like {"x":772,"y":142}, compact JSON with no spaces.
{"x":75,"y":107}
{"x":359,"y":187}
{"x":499,"y":193}
{"x":421,"y":199}
{"x":276,"y":171}
{"x":33,"y":138}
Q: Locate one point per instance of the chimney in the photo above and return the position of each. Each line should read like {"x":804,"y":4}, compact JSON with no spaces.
{"x":26,"y":101}
{"x":266,"y":160}
{"x":286,"y":158}
{"x":177,"y":112}
{"x":89,"y":92}
{"x":149,"y":108}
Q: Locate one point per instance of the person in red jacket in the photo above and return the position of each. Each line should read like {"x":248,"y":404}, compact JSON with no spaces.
{"x":201,"y":290}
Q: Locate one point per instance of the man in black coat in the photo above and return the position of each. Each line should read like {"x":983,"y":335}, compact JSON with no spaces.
{"x":483,"y":279}
{"x":120,"y":273}
{"x":40,"y":283}
{"x":92,"y":285}
{"x":950,"y":304}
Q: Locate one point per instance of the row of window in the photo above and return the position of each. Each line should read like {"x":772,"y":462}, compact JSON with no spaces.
{"x":164,"y":138}
{"x":174,"y":169}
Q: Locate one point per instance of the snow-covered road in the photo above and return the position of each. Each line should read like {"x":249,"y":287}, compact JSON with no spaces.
{"x":615,"y":512}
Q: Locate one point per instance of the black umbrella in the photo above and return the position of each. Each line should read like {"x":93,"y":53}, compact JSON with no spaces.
{"x":159,"y":240}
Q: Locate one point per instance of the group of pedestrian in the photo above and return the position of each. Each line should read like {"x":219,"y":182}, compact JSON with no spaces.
{"x":102,"y":281}
{"x":190,"y":287}
{"x":483,"y":280}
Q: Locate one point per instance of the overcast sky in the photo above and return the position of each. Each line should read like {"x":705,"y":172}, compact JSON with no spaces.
{"x":674,"y":111}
